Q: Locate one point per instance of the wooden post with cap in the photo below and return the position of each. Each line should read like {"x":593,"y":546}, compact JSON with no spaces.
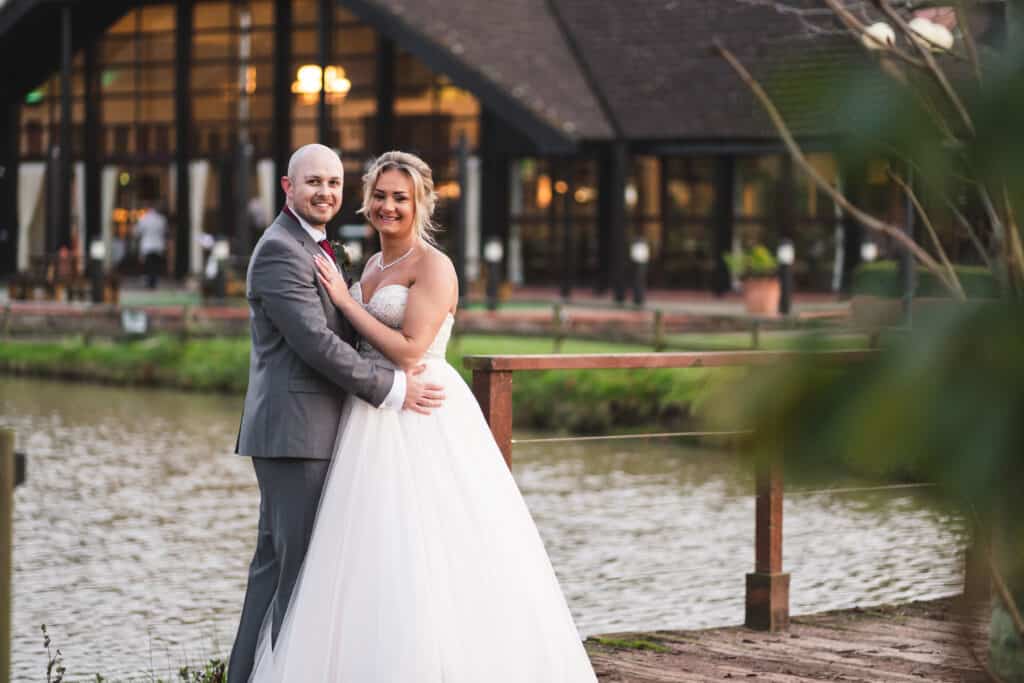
{"x":767,"y":599}
{"x":7,"y":483}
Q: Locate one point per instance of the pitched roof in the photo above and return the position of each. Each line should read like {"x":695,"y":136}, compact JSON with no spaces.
{"x":585,"y":69}
{"x":510,"y":53}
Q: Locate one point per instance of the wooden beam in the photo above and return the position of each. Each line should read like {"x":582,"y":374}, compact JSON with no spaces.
{"x":10,"y":130}
{"x":183,"y":239}
{"x":493,"y":391}
{"x":385,"y":123}
{"x":631,"y":361}
{"x":282,"y":96}
{"x":325,"y":34}
{"x":7,"y":482}
{"x":62,"y":190}
{"x":722,"y":221}
{"x":617,"y":170}
{"x":93,"y":148}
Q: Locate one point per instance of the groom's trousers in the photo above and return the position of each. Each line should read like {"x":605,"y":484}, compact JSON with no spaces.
{"x":290,"y":491}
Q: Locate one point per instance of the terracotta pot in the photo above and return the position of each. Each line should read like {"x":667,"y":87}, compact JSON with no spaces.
{"x":761,"y":295}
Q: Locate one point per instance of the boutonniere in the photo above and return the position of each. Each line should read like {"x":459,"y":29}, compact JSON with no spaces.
{"x":341,"y":256}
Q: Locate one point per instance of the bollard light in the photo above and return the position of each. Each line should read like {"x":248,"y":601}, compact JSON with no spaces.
{"x":221,"y":250}
{"x":215,"y":271}
{"x":97,"y":250}
{"x":494,"y":252}
{"x":785,"y":254}
{"x":97,"y":256}
{"x":640,"y":255}
{"x":868,"y":252}
{"x":640,"y":252}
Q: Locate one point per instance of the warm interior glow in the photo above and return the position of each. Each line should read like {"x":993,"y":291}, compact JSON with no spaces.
{"x":308,"y":82}
{"x":543,"y":191}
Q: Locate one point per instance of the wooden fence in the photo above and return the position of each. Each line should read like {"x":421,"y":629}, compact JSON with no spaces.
{"x":767,"y":587}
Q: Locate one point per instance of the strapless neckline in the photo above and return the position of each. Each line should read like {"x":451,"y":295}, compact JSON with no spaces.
{"x":364,"y":303}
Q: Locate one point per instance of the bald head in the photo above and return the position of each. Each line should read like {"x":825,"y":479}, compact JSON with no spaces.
{"x":311,"y":154}
{"x":313,"y":184}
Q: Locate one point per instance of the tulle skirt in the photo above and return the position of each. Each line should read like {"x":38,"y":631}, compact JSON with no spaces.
{"x":424,"y":565}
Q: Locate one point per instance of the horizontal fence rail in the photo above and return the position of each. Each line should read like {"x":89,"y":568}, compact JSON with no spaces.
{"x":767,"y":587}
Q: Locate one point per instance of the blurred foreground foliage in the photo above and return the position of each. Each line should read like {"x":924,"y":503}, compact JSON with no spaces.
{"x":944,"y":400}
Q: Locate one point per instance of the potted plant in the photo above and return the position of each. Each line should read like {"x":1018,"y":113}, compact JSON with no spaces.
{"x":756,"y":268}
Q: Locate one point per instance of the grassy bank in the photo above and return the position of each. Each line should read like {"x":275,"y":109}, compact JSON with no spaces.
{"x":578,"y":402}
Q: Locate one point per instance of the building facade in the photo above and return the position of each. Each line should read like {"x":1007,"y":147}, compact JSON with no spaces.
{"x":567,"y":130}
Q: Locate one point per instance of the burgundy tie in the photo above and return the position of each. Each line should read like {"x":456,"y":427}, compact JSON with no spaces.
{"x":326,"y":246}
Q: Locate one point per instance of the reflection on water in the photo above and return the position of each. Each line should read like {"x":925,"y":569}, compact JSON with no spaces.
{"x":134,"y":531}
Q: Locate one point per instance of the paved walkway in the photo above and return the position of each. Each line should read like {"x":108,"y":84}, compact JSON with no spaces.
{"x":692,"y":302}
{"x":922,"y":641}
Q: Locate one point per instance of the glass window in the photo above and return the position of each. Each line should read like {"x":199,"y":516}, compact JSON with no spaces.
{"x":115,"y":80}
{"x":212,"y":15}
{"x":209,"y":78}
{"x":262,"y":13}
{"x":157,"y":47}
{"x":211,"y":108}
{"x":158,"y":19}
{"x":263,"y":44}
{"x":124,"y":25}
{"x":117,"y":50}
{"x":156,"y":79}
{"x":305,"y":12}
{"x":305,"y":45}
{"x":213,"y":45}
{"x":349,"y":40}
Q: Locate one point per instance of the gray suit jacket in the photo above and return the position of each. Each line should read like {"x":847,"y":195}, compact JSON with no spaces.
{"x":302,"y":362}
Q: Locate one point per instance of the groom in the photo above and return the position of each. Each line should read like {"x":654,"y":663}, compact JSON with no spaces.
{"x":301,"y":367}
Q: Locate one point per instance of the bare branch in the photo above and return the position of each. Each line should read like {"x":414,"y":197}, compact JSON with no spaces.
{"x":929,"y":59}
{"x":963,"y":22}
{"x":975,"y":240}
{"x":866,"y":219}
{"x":953,"y":281}
{"x":1006,"y":597}
{"x":1016,"y":261}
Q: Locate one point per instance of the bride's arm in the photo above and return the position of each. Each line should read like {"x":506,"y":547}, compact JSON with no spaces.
{"x":430,"y":299}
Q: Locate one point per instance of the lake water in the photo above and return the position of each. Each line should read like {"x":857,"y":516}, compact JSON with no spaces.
{"x":136,"y":526}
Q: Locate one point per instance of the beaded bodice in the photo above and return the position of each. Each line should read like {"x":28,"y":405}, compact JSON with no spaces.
{"x":388,"y":306}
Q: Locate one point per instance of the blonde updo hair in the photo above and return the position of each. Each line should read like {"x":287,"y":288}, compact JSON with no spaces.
{"x":423,"y":187}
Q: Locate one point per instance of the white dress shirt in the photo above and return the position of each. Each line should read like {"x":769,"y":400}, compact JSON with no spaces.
{"x":151,"y":229}
{"x":395,"y":397}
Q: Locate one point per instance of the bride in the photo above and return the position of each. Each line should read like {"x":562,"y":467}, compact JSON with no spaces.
{"x":424,"y":565}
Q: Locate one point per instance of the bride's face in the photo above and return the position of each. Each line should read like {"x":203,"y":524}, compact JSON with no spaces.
{"x":393,"y":204}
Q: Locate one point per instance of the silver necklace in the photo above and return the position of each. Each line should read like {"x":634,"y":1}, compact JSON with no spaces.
{"x":380,"y":261}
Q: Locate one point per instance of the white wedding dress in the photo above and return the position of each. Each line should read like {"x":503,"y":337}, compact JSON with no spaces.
{"x":424,"y":565}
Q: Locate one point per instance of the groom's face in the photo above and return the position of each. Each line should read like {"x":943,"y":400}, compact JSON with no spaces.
{"x":314,"y":192}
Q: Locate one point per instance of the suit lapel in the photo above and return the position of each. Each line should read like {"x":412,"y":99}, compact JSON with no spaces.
{"x":291,"y":225}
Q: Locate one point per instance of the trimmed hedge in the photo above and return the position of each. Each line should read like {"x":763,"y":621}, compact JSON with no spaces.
{"x":585,"y":402}
{"x":882,"y":279}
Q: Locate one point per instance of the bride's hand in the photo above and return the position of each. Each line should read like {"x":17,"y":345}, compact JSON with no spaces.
{"x":333,"y":282}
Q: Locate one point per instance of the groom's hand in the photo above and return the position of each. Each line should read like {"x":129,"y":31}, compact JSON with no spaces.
{"x":421,"y":397}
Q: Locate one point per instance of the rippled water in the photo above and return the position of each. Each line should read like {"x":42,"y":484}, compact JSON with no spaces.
{"x":134,"y":531}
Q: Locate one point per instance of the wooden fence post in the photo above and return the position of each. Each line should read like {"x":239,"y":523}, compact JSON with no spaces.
{"x":7,"y":474}
{"x":493,"y":391}
{"x":659,"y":330}
{"x":768,"y":586}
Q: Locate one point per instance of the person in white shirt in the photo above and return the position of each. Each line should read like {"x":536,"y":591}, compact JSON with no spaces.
{"x":151,"y":232}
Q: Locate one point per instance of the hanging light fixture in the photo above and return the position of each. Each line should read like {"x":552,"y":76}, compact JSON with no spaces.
{"x":309,"y":80}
